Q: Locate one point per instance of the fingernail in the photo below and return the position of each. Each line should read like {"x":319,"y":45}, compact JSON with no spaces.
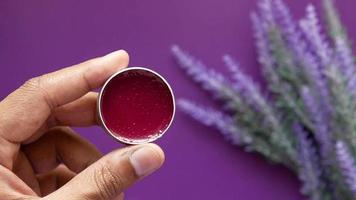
{"x":145,"y":160}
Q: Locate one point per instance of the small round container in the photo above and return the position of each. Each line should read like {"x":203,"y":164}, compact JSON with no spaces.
{"x":136,"y":105}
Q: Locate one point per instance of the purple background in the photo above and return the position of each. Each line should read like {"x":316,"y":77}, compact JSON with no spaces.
{"x":37,"y":37}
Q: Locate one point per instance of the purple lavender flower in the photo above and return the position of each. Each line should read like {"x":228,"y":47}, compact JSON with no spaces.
{"x":345,"y":57}
{"x":230,"y":130}
{"x":250,"y":91}
{"x":295,"y":42}
{"x":345,"y":60}
{"x":309,"y":171}
{"x":312,"y":31}
{"x":300,"y":50}
{"x":321,"y":128}
{"x":289,"y":28}
{"x":211,"y":80}
{"x":252,"y":94}
{"x":208,"y":78}
{"x":343,"y":51}
{"x":336,"y":29}
{"x":303,"y":72}
{"x":347,"y":164}
{"x":293,"y":35}
{"x":223,"y":123}
{"x":244,"y":85}
{"x":266,"y":11}
{"x":263,"y":50}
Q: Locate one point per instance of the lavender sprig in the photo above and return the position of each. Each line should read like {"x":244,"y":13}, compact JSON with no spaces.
{"x":230,"y":130}
{"x":210,"y":80}
{"x":222,"y":122}
{"x":321,"y":129}
{"x":310,"y":106}
{"x":290,"y":30}
{"x":309,"y":171}
{"x":246,"y":87}
{"x":312,"y":31}
{"x":347,"y":66}
{"x":266,"y":8}
{"x":344,"y":125}
{"x":265,"y":56}
{"x":252,"y":94}
{"x":343,"y":50}
{"x":302,"y":55}
{"x":336,"y":29}
{"x":278,"y":63}
{"x":347,"y":164}
{"x":262,"y":44}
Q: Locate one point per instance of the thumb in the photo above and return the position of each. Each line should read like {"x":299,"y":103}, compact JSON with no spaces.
{"x":109,"y":176}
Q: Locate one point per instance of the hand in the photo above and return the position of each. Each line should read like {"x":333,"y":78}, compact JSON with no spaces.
{"x":40,"y":156}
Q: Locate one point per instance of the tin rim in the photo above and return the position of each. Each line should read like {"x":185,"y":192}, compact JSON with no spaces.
{"x":127,"y":140}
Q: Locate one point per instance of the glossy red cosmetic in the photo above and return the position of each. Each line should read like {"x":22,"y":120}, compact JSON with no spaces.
{"x":136,"y":105}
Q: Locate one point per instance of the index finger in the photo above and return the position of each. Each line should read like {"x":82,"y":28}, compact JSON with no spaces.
{"x":63,"y":86}
{"x":24,"y":111}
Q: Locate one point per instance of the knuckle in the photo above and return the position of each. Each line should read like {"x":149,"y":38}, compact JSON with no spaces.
{"x":107,"y":182}
{"x":33,"y":84}
{"x":87,"y":82}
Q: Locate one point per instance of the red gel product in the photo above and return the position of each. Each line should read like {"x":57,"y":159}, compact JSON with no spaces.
{"x":136,"y":105}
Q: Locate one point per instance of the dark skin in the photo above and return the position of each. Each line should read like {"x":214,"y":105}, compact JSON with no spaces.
{"x":42,"y":157}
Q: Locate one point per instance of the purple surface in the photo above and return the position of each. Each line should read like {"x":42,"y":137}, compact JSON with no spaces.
{"x":37,"y":37}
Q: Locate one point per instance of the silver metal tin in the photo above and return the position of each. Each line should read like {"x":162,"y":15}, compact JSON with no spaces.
{"x":127,"y":140}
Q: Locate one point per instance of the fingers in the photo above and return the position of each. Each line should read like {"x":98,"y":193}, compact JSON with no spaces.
{"x":11,"y":187}
{"x":81,"y":112}
{"x":23,"y":170}
{"x":61,"y":145}
{"x":111,"y":175}
{"x":55,"y":179}
{"x":8,"y":153}
{"x":64,"y":86}
{"x":31,"y":105}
